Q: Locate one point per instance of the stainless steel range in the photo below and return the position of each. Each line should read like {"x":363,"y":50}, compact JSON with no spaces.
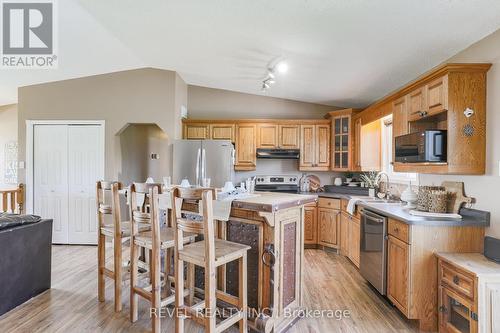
{"x":278,"y":183}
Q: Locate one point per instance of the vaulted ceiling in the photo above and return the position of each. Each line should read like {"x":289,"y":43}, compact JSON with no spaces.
{"x":339,"y":52}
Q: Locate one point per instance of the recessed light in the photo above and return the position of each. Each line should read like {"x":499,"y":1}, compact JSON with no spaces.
{"x":282,"y":67}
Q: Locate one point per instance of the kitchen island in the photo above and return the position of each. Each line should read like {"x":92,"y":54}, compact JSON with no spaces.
{"x":272,"y":224}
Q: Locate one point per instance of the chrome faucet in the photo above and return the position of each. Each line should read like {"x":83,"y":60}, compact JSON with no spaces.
{"x":387,"y":192}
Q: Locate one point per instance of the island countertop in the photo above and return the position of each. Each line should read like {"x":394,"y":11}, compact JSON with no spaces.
{"x":273,"y":201}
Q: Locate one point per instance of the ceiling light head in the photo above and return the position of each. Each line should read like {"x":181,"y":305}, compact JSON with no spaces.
{"x":269,"y":80}
{"x":282,"y":67}
{"x":270,"y":73}
{"x":265,"y":85}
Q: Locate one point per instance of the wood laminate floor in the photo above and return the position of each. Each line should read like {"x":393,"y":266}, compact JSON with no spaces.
{"x":331,"y":283}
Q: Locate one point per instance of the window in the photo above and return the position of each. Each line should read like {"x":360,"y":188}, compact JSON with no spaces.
{"x":387,"y":167}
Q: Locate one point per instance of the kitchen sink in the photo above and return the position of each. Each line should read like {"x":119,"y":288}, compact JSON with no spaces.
{"x":383,"y":201}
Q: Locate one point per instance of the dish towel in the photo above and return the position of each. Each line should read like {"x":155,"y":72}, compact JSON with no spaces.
{"x":351,"y":205}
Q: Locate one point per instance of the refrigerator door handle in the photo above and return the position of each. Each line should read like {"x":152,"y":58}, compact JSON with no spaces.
{"x":203,"y":164}
{"x":198,"y":167}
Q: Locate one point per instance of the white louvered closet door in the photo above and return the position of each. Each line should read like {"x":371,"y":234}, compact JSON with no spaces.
{"x":84,"y":163}
{"x":67,"y":163}
{"x":50,"y":159}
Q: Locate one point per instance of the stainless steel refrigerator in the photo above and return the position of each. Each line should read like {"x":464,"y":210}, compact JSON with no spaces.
{"x":198,"y":159}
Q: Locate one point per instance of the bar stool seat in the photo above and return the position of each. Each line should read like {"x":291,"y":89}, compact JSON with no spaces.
{"x":225,"y":252}
{"x":167,"y":238}
{"x":109,"y":230}
{"x":105,"y":209}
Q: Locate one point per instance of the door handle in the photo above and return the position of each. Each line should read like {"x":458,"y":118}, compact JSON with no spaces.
{"x":203,"y":164}
{"x":198,"y":156}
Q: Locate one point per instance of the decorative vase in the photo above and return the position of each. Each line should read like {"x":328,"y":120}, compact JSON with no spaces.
{"x":410,"y":197}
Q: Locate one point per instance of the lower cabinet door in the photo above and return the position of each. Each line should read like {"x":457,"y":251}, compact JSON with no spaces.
{"x":354,"y":240}
{"x":344,"y":234}
{"x":398,"y":263}
{"x":328,"y":220}
{"x":456,"y":313}
{"x":310,"y":225}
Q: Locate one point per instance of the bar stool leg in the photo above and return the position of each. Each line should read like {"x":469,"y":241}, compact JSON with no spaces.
{"x":117,"y":247}
{"x":190,"y":282}
{"x":210,"y":298}
{"x":155,"y":290}
{"x":179,"y":294}
{"x":167,"y":269}
{"x":101,"y":260}
{"x":134,"y":258}
{"x":242,"y":292}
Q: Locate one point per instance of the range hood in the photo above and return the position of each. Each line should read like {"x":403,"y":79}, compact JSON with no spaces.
{"x":284,"y":154}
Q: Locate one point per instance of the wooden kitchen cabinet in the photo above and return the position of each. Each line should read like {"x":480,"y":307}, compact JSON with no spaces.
{"x":344,"y":234}
{"x":437,"y":96}
{"x":246,"y":142}
{"x":416,"y":104}
{"x":350,"y":237}
{"x":370,"y":146}
{"x":469,"y":293}
{"x":398,"y":267}
{"x":222,"y":132}
{"x":341,"y":143}
{"x":343,"y":140}
{"x":356,"y":150}
{"x":399,"y":117}
{"x":412,"y":275}
{"x":315,"y":147}
{"x":328,"y":223}
{"x":310,"y":225}
{"x":289,"y":136}
{"x":267,"y":136}
{"x":354,"y":235}
{"x":196,"y":131}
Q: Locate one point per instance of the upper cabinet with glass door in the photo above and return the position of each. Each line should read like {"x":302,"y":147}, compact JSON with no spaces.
{"x":343,"y":139}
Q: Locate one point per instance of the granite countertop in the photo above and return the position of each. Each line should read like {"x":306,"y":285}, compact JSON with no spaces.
{"x":273,"y":201}
{"x":470,"y":217}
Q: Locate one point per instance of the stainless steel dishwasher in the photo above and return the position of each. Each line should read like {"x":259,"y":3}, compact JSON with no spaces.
{"x":373,"y":249}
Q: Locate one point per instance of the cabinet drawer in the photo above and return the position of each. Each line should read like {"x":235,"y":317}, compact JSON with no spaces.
{"x":329,"y":203}
{"x":399,"y":230}
{"x":456,"y":279}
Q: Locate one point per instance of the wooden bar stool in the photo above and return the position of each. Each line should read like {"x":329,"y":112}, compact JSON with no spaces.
{"x":146,"y":204}
{"x":210,"y":254}
{"x":118,"y":231}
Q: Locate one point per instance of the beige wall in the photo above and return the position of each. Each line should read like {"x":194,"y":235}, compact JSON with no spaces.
{"x":484,"y":188}
{"x":137,"y":96}
{"x":208,"y":103}
{"x":137,"y":143}
{"x":8,"y":133}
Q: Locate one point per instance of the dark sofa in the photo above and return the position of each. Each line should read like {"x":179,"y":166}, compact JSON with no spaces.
{"x":25,"y":258}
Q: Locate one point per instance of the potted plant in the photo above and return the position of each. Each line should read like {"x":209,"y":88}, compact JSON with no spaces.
{"x":371,"y":181}
{"x":348,"y":177}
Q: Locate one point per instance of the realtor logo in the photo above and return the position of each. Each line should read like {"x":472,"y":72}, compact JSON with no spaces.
{"x":28,"y":34}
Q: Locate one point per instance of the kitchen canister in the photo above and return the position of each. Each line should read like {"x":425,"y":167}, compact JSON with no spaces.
{"x":424,"y":196}
{"x":438,"y":201}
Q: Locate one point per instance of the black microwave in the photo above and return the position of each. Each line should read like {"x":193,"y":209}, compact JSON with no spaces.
{"x":424,"y":146}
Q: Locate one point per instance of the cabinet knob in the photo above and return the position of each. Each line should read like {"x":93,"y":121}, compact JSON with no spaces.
{"x":456,"y":279}
{"x":442,"y":309}
{"x":396,"y":230}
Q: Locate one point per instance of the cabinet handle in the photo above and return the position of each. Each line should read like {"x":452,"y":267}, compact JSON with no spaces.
{"x":396,"y":230}
{"x":442,"y":309}
{"x":456,"y":279}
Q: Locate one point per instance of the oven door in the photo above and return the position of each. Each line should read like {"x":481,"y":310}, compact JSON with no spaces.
{"x":373,"y":249}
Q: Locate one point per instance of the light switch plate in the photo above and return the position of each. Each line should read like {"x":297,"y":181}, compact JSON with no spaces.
{"x":20,"y":165}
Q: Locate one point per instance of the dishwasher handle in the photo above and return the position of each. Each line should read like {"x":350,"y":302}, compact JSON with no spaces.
{"x":373,"y":217}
